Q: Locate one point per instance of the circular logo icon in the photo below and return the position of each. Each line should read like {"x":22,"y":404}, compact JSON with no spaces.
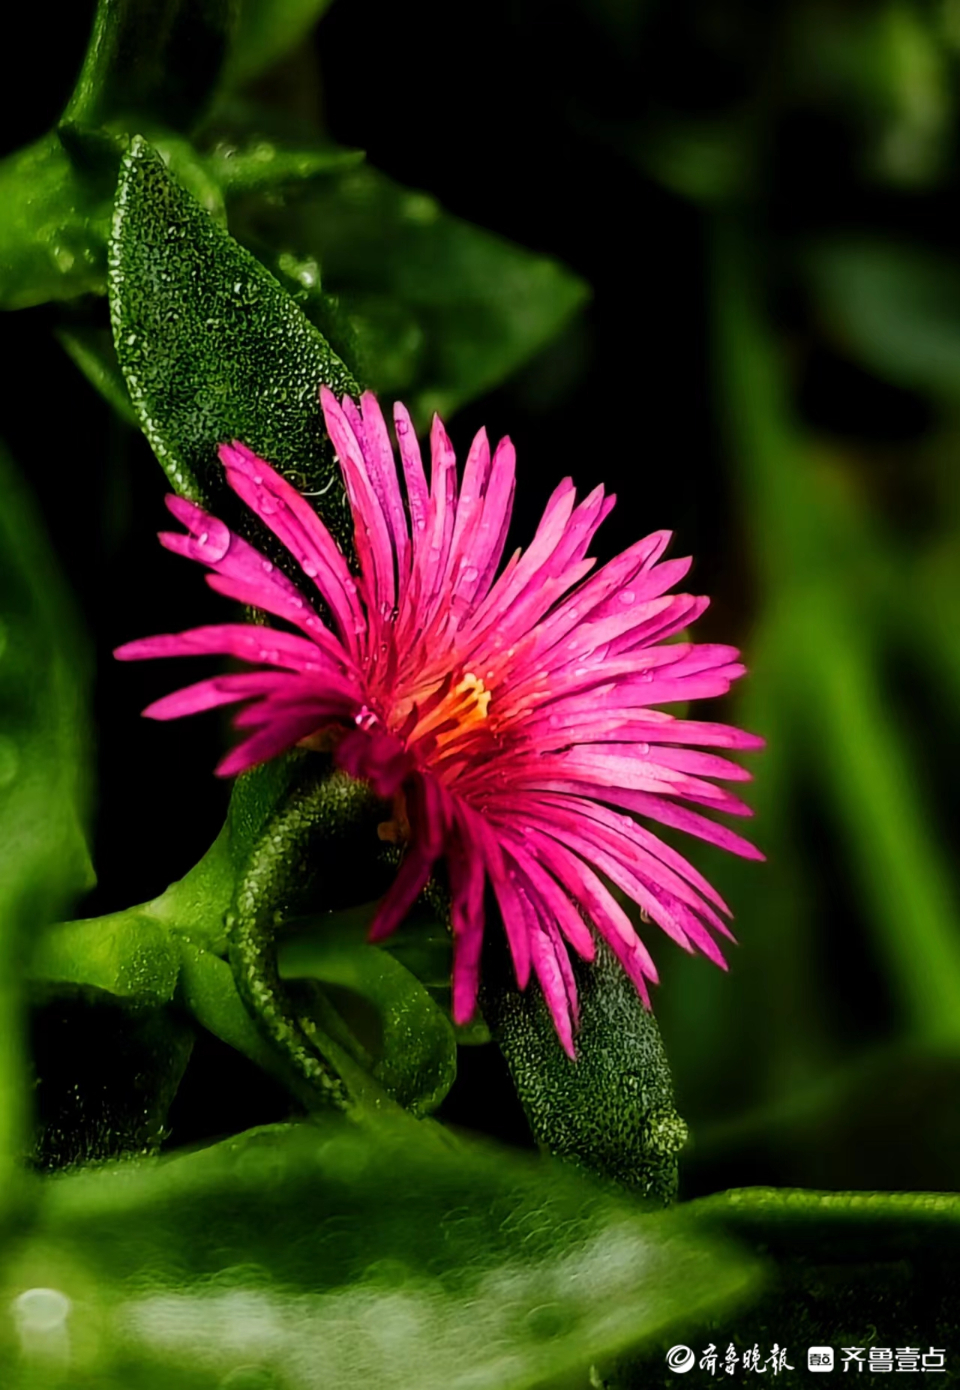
{"x":680,"y":1359}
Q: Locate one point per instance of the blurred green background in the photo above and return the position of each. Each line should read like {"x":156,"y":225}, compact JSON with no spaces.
{"x":764,"y":204}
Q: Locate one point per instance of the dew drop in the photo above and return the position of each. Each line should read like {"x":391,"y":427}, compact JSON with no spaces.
{"x":627,"y":596}
{"x":258,"y":479}
{"x":309,"y":569}
{"x":402,"y":427}
{"x":643,"y":749}
{"x":267,"y":566}
{"x":215,"y":542}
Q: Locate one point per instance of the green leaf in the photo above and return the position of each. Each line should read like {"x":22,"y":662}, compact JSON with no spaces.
{"x":441,"y":310}
{"x":43,"y":766}
{"x":268,"y":29}
{"x":414,"y":1050}
{"x":53,"y":230}
{"x":387,"y":1255}
{"x":838,"y":1225}
{"x":611,"y":1111}
{"x":129,"y":955}
{"x":211,"y":347}
{"x":152,"y":60}
{"x":261,"y":165}
{"x":896,"y":308}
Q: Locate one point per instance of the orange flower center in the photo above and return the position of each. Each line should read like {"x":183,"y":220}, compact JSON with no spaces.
{"x":464,"y":706}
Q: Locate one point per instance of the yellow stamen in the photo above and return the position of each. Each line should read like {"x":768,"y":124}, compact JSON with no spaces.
{"x":465,"y":705}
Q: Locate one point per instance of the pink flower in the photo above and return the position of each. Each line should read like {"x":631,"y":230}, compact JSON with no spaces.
{"x":509,"y":716}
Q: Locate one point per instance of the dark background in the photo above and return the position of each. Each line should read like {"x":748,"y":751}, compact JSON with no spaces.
{"x":628,"y":139}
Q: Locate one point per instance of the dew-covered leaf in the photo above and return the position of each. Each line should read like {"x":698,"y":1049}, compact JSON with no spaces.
{"x":385,"y":1255}
{"x":211,"y":347}
{"x":612,"y":1110}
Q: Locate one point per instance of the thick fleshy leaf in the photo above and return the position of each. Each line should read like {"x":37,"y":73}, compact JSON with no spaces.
{"x":441,"y":310}
{"x":612,"y":1110}
{"x":211,"y":347}
{"x":43,"y":852}
{"x":413,"y":1047}
{"x":330,"y":1254}
{"x":53,"y":230}
{"x":128,"y":955}
{"x":152,"y":61}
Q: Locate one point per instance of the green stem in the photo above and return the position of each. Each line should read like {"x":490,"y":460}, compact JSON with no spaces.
{"x":303,"y":838}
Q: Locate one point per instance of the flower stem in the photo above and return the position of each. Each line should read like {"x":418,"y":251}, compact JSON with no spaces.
{"x":306,"y":836}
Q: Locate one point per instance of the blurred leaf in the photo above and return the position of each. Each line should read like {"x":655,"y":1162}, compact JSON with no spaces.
{"x":332,"y":1254}
{"x":93,"y":352}
{"x":53,"y":230}
{"x":210,"y":346}
{"x":709,"y":162}
{"x":43,"y":768}
{"x":267,"y":30}
{"x":896,"y":308}
{"x":415,"y":1054}
{"x":441,"y":310}
{"x":611,"y":1111}
{"x":829,"y":666}
{"x":152,"y":60}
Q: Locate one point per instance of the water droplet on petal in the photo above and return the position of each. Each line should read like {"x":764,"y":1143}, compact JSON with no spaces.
{"x":215,"y":542}
{"x":268,"y":566}
{"x":643,"y":749}
{"x":402,"y":427}
{"x":627,"y":596}
{"x":309,"y":569}
{"x":258,"y":479}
